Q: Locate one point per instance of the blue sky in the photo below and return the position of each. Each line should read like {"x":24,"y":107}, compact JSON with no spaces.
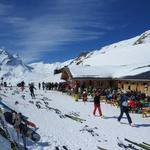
{"x":58,"y":30}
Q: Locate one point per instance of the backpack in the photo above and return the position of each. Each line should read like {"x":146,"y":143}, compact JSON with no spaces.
{"x":124,"y":103}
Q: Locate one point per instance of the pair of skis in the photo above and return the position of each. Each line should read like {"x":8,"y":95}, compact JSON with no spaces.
{"x":75,"y":118}
{"x":132,"y":145}
{"x":143,"y":145}
{"x":61,"y":115}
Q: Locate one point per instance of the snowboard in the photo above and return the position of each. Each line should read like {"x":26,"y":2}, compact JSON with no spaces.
{"x":25,"y":130}
{"x":5,"y":133}
{"x":10,"y":109}
{"x":24,"y":118}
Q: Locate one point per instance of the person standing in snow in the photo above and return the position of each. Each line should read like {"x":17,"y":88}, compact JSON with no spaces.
{"x":43,"y":85}
{"x":31,"y":88}
{"x":39,"y":86}
{"x":22,"y":84}
{"x":97,"y":104}
{"x":84,"y":96}
{"x":124,"y":108}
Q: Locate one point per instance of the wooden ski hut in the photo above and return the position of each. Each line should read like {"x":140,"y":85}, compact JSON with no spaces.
{"x":88,"y":76}
{"x":103,"y":77}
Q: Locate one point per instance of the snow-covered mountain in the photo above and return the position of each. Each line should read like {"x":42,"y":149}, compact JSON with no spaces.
{"x":13,"y":70}
{"x":11,"y":60}
{"x":131,"y":56}
{"x":131,"y":51}
{"x":12,"y":66}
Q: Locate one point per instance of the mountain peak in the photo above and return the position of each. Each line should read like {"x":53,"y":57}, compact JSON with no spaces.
{"x":9,"y":63}
{"x":144,"y":38}
{"x":130,"y":51}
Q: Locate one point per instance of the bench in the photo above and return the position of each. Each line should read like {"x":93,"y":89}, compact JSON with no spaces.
{"x":145,"y":111}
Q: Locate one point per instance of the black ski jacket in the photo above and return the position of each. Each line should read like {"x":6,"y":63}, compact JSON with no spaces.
{"x":97,"y":100}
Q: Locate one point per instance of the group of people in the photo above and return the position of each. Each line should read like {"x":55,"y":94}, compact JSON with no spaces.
{"x":123,"y":106}
{"x":124,"y":100}
{"x":31,"y":88}
{"x":48,"y":85}
{"x":43,"y":86}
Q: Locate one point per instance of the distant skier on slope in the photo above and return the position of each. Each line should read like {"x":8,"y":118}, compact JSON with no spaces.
{"x":22,"y":85}
{"x":31,"y":88}
{"x":124,"y":108}
{"x":97,"y":104}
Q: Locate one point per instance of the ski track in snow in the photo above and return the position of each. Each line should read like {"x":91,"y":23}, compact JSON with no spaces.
{"x":59,"y":132}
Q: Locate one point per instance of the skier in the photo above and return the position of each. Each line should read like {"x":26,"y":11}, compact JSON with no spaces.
{"x":124,"y":108}
{"x":22,"y":84}
{"x":97,"y":104}
{"x":31,"y":88}
{"x":84,"y":96}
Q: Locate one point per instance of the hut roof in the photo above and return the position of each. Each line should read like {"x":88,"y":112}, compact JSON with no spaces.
{"x":92,"y":72}
{"x":132,"y":72}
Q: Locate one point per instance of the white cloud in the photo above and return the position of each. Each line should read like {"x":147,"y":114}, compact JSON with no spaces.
{"x":63,"y":22}
{"x":4,"y":9}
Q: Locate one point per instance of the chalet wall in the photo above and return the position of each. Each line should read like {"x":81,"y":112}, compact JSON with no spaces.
{"x":139,"y":86}
{"x":95,"y":83}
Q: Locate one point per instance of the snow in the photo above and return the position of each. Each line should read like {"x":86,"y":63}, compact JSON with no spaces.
{"x":124,"y":58}
{"x":131,"y":70}
{"x":109,"y":71}
{"x":92,"y":71}
{"x":121,"y":56}
{"x":56,"y":131}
